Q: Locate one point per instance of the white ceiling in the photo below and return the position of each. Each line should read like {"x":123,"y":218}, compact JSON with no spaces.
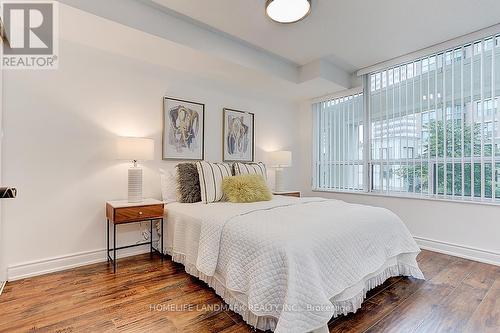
{"x":351,"y":34}
{"x":224,"y":57}
{"x":204,"y":68}
{"x":233,"y":42}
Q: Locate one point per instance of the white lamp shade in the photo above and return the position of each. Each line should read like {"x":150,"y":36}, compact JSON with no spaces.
{"x":138,"y":149}
{"x":281,"y":159}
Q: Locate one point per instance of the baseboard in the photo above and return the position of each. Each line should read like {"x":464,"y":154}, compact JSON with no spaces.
{"x":50,"y":265}
{"x":461,"y":251}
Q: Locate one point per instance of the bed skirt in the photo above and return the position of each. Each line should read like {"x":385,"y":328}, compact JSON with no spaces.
{"x":348,"y":301}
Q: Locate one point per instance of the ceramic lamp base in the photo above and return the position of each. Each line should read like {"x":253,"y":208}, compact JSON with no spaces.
{"x":278,"y":180}
{"x":135,"y":185}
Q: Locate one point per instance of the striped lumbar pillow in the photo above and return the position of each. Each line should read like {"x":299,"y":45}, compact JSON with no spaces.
{"x":211,"y":176}
{"x":250,"y":169}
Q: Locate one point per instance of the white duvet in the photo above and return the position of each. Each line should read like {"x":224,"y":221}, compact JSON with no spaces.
{"x":292,"y":264}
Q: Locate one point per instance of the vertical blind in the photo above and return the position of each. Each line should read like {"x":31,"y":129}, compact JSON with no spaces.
{"x":338,"y":143}
{"x":434,"y":124}
{"x":432,"y":129}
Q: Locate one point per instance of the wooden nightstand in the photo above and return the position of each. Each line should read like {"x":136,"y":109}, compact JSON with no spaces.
{"x":123,"y":212}
{"x":288,"y":193}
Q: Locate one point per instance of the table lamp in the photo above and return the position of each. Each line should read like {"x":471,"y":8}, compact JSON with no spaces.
{"x":135,"y":149}
{"x":280,"y":160}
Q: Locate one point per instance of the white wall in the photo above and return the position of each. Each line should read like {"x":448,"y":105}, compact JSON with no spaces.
{"x":466,"y":229}
{"x":3,"y":270}
{"x":60,"y":129}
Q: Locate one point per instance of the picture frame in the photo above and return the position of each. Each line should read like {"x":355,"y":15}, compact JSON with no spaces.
{"x":183,"y":134}
{"x":238,"y":136}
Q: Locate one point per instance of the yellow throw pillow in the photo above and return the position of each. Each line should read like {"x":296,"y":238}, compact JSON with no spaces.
{"x":246,"y":188}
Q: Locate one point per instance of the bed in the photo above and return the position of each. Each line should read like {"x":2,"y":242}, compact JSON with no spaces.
{"x":290,"y":264}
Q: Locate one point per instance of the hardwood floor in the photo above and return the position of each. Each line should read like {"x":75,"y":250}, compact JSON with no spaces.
{"x":152,"y":296}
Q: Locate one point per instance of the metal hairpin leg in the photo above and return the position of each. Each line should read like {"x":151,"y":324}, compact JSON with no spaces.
{"x":114,"y":247}
{"x":152,"y":249}
{"x":151,"y":238}
{"x":161,"y":230}
{"x":107,"y":237}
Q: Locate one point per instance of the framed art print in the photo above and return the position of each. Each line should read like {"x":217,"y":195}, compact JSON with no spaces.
{"x":183,"y":129}
{"x":238,"y":136}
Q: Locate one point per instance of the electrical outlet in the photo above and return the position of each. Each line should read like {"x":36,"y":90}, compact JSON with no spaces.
{"x":2,"y":285}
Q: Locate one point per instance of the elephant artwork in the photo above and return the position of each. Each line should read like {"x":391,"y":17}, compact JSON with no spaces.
{"x":183,"y":130}
{"x":185,"y":127}
{"x":238,"y":135}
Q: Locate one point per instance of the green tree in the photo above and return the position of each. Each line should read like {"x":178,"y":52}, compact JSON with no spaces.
{"x":447,"y":142}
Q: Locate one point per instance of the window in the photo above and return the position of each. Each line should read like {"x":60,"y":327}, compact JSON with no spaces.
{"x":338,"y":143}
{"x":432,"y":129}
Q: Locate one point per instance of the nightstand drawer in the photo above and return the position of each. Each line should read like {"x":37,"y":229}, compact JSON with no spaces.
{"x":128,"y":214}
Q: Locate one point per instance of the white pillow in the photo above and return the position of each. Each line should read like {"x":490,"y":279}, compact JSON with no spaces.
{"x":211,"y":175}
{"x":250,"y":169}
{"x":168,"y":181}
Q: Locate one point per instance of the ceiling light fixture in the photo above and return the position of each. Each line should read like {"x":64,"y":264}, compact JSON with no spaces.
{"x":287,"y":11}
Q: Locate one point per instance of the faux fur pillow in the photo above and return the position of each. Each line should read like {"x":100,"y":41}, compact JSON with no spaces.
{"x":188,"y":183}
{"x":246,"y":188}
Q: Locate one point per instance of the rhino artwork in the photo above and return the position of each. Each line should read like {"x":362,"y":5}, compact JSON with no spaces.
{"x":237,"y":136}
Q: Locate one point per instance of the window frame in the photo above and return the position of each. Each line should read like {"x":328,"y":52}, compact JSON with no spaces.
{"x":315,"y":159}
{"x":376,"y":80}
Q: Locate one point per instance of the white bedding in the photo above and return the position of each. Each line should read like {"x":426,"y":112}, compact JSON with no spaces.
{"x":290,"y":264}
